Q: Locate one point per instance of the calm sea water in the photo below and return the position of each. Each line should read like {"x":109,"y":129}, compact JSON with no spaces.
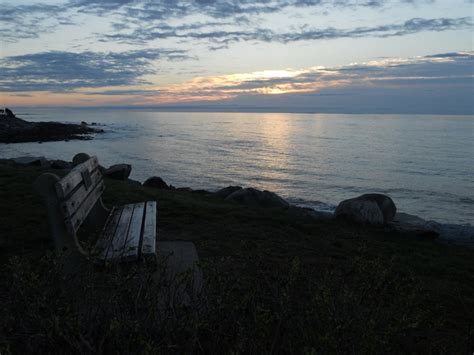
{"x":425,"y":163}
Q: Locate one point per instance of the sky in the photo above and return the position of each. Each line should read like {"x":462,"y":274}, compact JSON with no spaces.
{"x":364,"y":56}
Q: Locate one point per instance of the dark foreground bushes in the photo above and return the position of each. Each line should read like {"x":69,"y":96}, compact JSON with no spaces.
{"x":249,"y":305}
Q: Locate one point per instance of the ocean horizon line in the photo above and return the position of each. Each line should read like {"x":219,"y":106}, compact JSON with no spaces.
{"x":202,"y":109}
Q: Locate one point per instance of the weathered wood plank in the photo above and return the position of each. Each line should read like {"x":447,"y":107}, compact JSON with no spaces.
{"x":134,"y":233}
{"x":105,"y":240}
{"x":74,"y":178}
{"x":74,"y":221}
{"x":116,"y":249}
{"x":149,"y":229}
{"x":74,"y":202}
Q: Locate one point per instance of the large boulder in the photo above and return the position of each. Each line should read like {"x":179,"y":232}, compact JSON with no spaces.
{"x":385,"y":203}
{"x":254,"y":197}
{"x":368,"y":208}
{"x":118,"y":171}
{"x":80,"y":158}
{"x":226,"y":191}
{"x":364,"y":212}
{"x":156,"y":182}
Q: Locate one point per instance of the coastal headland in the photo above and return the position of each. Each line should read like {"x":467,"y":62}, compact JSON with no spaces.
{"x":16,"y":130}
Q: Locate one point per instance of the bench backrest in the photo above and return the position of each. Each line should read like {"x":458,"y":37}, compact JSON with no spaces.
{"x":78,"y":192}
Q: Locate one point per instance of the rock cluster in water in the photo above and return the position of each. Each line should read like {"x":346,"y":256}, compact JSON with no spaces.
{"x":16,"y":130}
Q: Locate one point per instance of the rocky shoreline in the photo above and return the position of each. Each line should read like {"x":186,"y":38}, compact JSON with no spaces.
{"x":16,"y":130}
{"x":368,"y":209}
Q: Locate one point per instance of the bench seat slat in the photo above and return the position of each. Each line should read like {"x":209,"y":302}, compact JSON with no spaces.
{"x":149,"y":229}
{"x":134,"y":233}
{"x":108,"y":233}
{"x":130,"y":233}
{"x":116,"y":249}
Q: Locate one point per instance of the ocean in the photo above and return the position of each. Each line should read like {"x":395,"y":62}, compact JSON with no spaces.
{"x":425,"y":163}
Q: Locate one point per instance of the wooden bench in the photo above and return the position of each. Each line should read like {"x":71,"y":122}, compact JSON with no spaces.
{"x":127,"y":233}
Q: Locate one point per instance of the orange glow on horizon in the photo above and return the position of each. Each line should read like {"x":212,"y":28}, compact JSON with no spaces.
{"x":212,"y":88}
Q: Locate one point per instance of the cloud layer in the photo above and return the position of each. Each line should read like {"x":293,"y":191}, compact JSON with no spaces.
{"x":57,"y":71}
{"x":116,"y":48}
{"x":29,"y":21}
{"x":451,"y":70}
{"x":140,"y":21}
{"x":439,"y":83}
{"x":223,"y":38}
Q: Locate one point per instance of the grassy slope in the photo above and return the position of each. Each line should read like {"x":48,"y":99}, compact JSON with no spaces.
{"x":220,"y":229}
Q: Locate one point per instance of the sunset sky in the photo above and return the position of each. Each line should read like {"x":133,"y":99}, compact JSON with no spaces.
{"x":289,"y":55}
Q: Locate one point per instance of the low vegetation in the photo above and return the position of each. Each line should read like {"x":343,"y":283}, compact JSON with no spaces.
{"x":274,"y":283}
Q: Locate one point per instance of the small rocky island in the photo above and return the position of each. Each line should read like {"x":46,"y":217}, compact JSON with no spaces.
{"x":16,"y":130}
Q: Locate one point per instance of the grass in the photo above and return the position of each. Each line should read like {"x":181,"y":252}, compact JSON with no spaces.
{"x":275,"y":282}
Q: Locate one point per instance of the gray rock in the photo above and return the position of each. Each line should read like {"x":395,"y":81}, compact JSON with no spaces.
{"x":226,"y":191}
{"x":254,"y":197}
{"x":359,"y":211}
{"x":60,"y":164}
{"x":385,"y":203}
{"x":156,"y":182}
{"x":118,"y":171}
{"x":37,"y":161}
{"x":80,"y":158}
